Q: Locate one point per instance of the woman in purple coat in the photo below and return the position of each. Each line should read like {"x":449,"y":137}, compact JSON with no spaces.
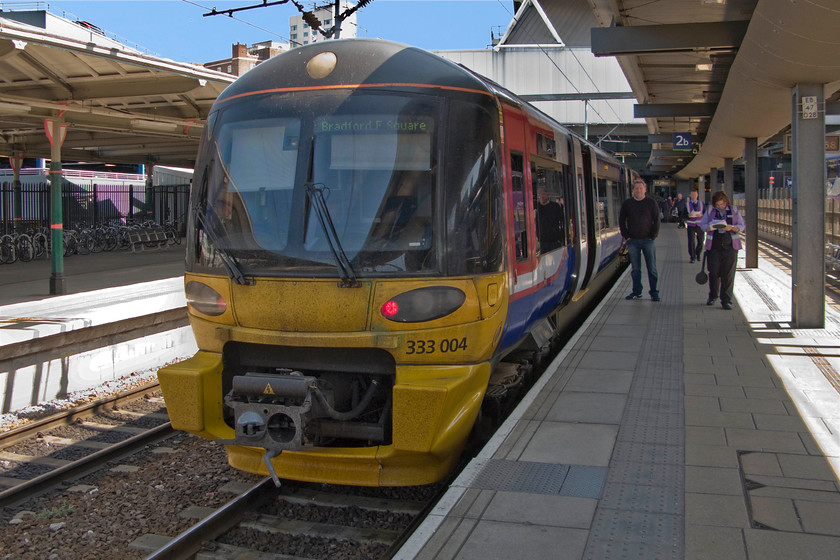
{"x":723,"y":224}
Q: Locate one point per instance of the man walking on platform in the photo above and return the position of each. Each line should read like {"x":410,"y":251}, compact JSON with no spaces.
{"x":682,"y":210}
{"x":639,"y":224}
{"x":696,"y":235}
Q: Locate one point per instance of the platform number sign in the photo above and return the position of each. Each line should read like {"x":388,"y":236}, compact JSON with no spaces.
{"x":809,"y":106}
{"x":682,"y":141}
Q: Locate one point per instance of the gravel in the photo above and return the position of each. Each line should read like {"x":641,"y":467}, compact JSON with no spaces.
{"x":100,"y":518}
{"x":20,"y":417}
{"x":112,"y":509}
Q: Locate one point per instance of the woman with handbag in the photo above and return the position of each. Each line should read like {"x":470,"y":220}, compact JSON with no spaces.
{"x":723,"y":223}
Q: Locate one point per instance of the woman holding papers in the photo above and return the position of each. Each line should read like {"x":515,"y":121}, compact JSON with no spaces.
{"x":723,"y":223}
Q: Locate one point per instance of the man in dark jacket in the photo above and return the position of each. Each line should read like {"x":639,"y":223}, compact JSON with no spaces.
{"x":682,"y":210}
{"x":639,"y":224}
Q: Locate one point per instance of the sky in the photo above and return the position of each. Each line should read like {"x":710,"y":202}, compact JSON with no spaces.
{"x":178,"y":30}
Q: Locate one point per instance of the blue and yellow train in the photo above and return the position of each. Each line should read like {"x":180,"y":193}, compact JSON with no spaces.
{"x":363,"y":261}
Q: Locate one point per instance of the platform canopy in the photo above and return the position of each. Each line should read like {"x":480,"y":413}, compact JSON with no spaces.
{"x":119,"y":104}
{"x":721,"y":70}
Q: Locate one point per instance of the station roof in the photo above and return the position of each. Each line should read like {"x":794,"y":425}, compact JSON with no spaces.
{"x":119,"y":105}
{"x":720,"y":69}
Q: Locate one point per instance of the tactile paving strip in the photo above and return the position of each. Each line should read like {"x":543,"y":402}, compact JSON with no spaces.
{"x":641,"y":512}
{"x":541,"y":478}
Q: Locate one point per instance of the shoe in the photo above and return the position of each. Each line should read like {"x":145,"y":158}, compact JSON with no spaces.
{"x":711,"y":301}
{"x":692,"y":259}
{"x":654,"y":298}
{"x":634,"y":296}
{"x":726,"y":305}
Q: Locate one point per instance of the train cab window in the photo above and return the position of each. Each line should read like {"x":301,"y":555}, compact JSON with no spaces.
{"x":520,"y":226}
{"x":474,"y":210}
{"x":254,"y":180}
{"x":346,"y":187}
{"x":380,"y":181}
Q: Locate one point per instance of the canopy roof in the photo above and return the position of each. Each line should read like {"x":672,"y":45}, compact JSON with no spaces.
{"x":119,"y":105}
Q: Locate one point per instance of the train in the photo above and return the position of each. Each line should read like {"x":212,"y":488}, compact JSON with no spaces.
{"x":364,"y":276}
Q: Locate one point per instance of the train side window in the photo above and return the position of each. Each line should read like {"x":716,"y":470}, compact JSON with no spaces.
{"x":520,"y":226}
{"x":549,"y":204}
{"x":603,"y":203}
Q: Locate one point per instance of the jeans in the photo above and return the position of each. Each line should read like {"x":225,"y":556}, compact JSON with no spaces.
{"x":635,"y":249}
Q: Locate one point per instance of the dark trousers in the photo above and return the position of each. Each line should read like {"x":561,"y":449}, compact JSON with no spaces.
{"x":696,"y":236}
{"x":722,"y":272}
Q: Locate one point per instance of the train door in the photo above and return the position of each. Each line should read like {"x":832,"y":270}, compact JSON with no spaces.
{"x":609,"y":183}
{"x":522,"y":239}
{"x":587,"y":234}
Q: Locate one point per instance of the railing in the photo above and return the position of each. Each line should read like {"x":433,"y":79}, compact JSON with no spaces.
{"x":93,"y":205}
{"x":775,"y":220}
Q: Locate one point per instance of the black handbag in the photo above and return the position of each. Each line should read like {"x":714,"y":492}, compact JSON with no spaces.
{"x":702,"y":277}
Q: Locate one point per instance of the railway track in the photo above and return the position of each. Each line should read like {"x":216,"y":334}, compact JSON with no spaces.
{"x":112,"y":479}
{"x":67,"y":445}
{"x":783,"y":258}
{"x":303,"y":521}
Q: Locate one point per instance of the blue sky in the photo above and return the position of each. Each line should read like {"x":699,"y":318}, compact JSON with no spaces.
{"x":176,"y":29}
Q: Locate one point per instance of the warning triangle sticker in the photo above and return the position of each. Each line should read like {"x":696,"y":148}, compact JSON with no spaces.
{"x":268,"y":390}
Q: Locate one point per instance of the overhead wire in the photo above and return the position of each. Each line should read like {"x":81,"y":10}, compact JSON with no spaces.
{"x":282,"y":37}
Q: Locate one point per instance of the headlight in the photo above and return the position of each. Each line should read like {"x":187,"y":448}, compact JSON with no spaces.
{"x":205,"y":299}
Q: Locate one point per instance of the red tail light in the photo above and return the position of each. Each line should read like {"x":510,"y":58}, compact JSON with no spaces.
{"x":423,"y":304}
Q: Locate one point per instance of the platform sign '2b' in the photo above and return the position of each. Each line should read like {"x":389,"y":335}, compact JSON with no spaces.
{"x":682,"y":141}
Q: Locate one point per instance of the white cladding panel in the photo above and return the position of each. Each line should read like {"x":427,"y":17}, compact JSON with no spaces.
{"x":551,"y":70}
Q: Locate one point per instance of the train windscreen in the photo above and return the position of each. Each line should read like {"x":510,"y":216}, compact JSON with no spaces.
{"x":311,"y":185}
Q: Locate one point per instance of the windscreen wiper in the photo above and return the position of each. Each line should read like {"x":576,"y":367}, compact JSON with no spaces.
{"x":228,"y":261}
{"x":315,"y":193}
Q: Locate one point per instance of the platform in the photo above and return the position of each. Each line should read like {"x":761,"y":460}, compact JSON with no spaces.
{"x":24,"y":282}
{"x":663,"y":430}
{"x":102,"y":288}
{"x":124,"y":315}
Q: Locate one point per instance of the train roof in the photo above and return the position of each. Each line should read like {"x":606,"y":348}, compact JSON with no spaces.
{"x":366,"y":62}
{"x":374,"y":63}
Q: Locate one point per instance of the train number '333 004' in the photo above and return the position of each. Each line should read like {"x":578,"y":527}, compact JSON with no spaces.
{"x":432,"y":346}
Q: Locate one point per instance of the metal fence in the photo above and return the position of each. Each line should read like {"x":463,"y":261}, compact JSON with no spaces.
{"x":94,"y":204}
{"x":775,"y":219}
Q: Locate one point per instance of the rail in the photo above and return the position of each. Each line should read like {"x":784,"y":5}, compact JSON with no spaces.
{"x":76,"y":468}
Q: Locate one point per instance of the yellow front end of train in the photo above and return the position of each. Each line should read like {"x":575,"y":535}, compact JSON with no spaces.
{"x":441,"y":369}
{"x":345,"y":266}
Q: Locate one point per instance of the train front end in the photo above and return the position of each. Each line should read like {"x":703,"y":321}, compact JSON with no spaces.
{"x":345,"y":266}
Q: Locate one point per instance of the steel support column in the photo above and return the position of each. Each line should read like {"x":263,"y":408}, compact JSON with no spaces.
{"x":58,"y":284}
{"x":751,"y":202}
{"x":729,"y":178}
{"x":16,"y":161}
{"x":808,"y":266}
